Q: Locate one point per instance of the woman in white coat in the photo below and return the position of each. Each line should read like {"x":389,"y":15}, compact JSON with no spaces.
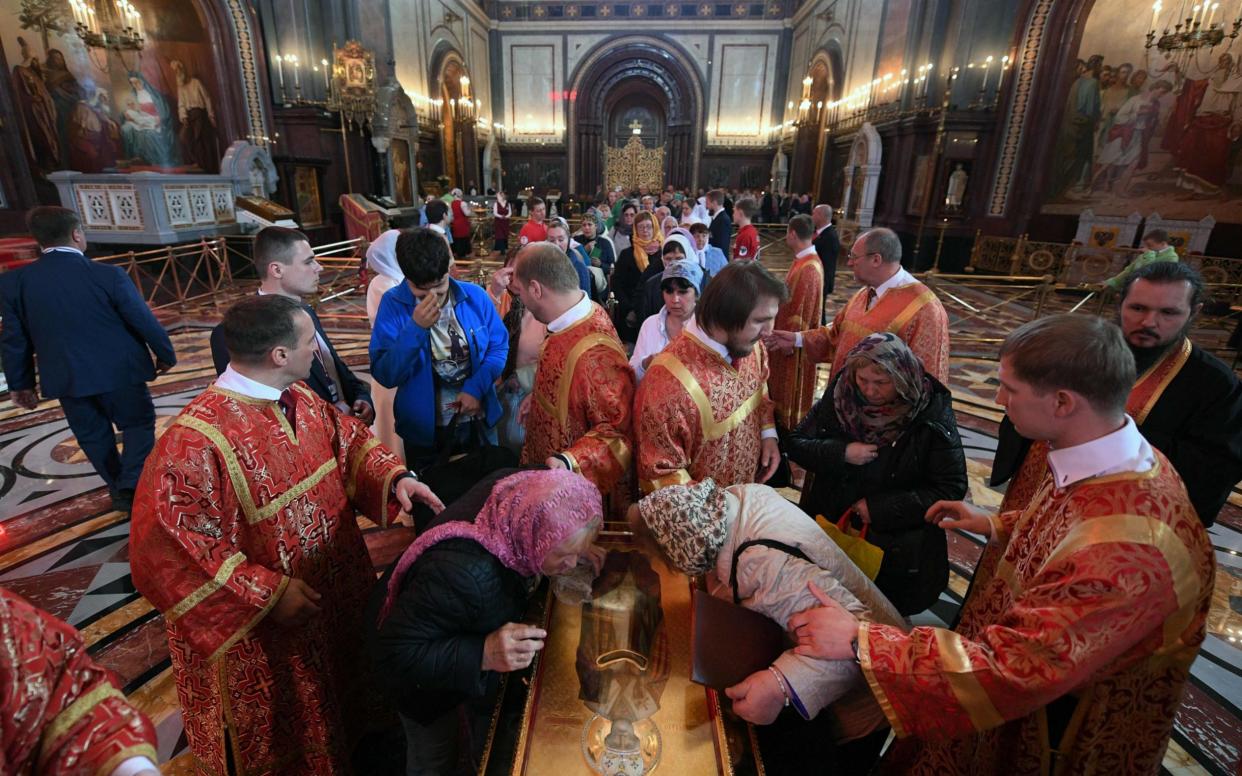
{"x":385,"y":274}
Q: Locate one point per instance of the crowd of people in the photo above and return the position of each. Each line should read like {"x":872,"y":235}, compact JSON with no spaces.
{"x":673,"y":413}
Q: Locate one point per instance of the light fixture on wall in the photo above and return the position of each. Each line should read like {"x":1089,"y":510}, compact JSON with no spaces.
{"x":464,"y":110}
{"x":808,"y":111}
{"x":1183,"y":37}
{"x":108,"y":24}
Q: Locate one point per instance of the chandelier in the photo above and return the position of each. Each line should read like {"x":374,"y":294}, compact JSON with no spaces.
{"x":1185,"y":35}
{"x":109,"y":24}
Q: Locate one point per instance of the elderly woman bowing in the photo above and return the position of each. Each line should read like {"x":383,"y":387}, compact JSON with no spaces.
{"x":450,"y":623}
{"x":758,"y":550}
{"x":883,"y":445}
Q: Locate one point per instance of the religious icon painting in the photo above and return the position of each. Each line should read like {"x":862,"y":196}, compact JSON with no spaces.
{"x":306,"y":192}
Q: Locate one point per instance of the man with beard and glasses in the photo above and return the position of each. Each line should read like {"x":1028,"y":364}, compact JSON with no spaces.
{"x":702,"y":410}
{"x":1186,"y":402}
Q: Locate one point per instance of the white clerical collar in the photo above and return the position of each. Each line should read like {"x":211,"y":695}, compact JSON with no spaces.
{"x":64,"y":248}
{"x":807,"y":251}
{"x":1124,"y":450}
{"x":822,"y":228}
{"x":232,"y":380}
{"x":436,"y":228}
{"x":692,"y":326}
{"x":571,"y":316}
{"x":901,"y":278}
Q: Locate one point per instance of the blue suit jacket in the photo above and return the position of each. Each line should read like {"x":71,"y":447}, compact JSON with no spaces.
{"x":401,"y":357}
{"x":86,"y":322}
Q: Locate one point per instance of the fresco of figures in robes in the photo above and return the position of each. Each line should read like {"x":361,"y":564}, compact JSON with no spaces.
{"x":1143,"y":132}
{"x":96,"y":111}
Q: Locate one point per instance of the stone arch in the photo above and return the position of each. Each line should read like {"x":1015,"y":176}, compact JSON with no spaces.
{"x":615,"y":68}
{"x":862,"y":176}
{"x":458,"y":147}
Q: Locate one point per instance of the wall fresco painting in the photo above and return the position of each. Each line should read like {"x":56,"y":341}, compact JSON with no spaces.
{"x":100,"y":110}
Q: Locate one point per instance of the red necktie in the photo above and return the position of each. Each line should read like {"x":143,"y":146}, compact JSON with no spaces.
{"x":288,"y":405}
{"x":870,"y":297}
{"x":737,"y":362}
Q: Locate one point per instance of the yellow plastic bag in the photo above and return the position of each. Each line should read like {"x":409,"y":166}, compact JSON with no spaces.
{"x":865,"y":555}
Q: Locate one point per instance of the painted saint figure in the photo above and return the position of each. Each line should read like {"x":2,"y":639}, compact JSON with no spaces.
{"x":38,"y":110}
{"x":198,"y":121}
{"x":147,"y":129}
{"x":94,"y":137}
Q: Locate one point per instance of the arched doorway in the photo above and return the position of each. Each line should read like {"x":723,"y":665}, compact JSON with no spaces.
{"x":459,"y":151}
{"x":637,"y":79}
{"x":811,"y":141}
{"x":639,"y":113}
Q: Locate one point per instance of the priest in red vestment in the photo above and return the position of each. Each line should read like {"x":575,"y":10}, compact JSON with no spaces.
{"x":702,"y":408}
{"x":792,"y":383}
{"x":1186,"y":402}
{"x":890,"y":300}
{"x":578,"y":416}
{"x":60,"y":712}
{"x":1076,"y":641}
{"x":244,"y":536}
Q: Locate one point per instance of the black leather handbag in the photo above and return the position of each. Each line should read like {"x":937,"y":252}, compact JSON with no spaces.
{"x":460,"y":466}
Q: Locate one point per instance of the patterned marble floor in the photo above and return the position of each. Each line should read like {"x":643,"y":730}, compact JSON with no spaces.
{"x":62,"y":547}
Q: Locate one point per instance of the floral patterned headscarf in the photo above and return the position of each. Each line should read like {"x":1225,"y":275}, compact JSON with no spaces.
{"x":689,"y":522}
{"x":881,"y":424}
{"x":526,"y":516}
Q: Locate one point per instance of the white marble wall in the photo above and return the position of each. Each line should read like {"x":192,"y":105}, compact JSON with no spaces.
{"x":744,"y":75}
{"x":735,"y":65}
{"x":852,"y":26}
{"x":534,"y":82}
{"x":420,"y":27}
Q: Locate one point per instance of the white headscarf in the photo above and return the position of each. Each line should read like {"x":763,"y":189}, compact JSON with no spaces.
{"x":682,"y":238}
{"x":699,"y":213}
{"x":382,"y":255}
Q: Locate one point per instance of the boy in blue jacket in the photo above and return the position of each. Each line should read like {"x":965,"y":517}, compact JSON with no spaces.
{"x":441,"y":345}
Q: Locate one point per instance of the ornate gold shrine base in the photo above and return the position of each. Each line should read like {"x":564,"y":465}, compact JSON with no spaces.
{"x":558,"y":732}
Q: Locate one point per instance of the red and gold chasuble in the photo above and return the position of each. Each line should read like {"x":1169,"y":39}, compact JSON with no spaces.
{"x":792,"y":383}
{"x":60,"y":712}
{"x":912,"y":312}
{"x":583,"y":396}
{"x":1143,"y":397}
{"x":1098,"y":597}
{"x":231,"y":505}
{"x":699,"y":417}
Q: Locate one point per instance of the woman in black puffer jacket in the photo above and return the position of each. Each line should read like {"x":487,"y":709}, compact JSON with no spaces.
{"x":450,"y":620}
{"x":883,"y":445}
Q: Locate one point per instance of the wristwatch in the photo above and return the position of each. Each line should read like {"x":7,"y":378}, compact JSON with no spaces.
{"x":854,"y":648}
{"x":402,"y":476}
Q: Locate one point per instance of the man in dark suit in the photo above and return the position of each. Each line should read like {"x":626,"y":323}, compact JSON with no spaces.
{"x":287,"y":266}
{"x":827,"y":245}
{"x":721,"y":227}
{"x":93,"y":335}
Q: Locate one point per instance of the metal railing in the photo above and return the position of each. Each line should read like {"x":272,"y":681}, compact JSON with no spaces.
{"x":983,"y":309}
{"x":177,"y":275}
{"x":1075,"y":264}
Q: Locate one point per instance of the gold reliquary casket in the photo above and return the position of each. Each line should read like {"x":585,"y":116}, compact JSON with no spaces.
{"x":611,"y":693}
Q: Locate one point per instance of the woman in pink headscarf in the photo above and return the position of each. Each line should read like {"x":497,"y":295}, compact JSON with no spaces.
{"x":450,"y":622}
